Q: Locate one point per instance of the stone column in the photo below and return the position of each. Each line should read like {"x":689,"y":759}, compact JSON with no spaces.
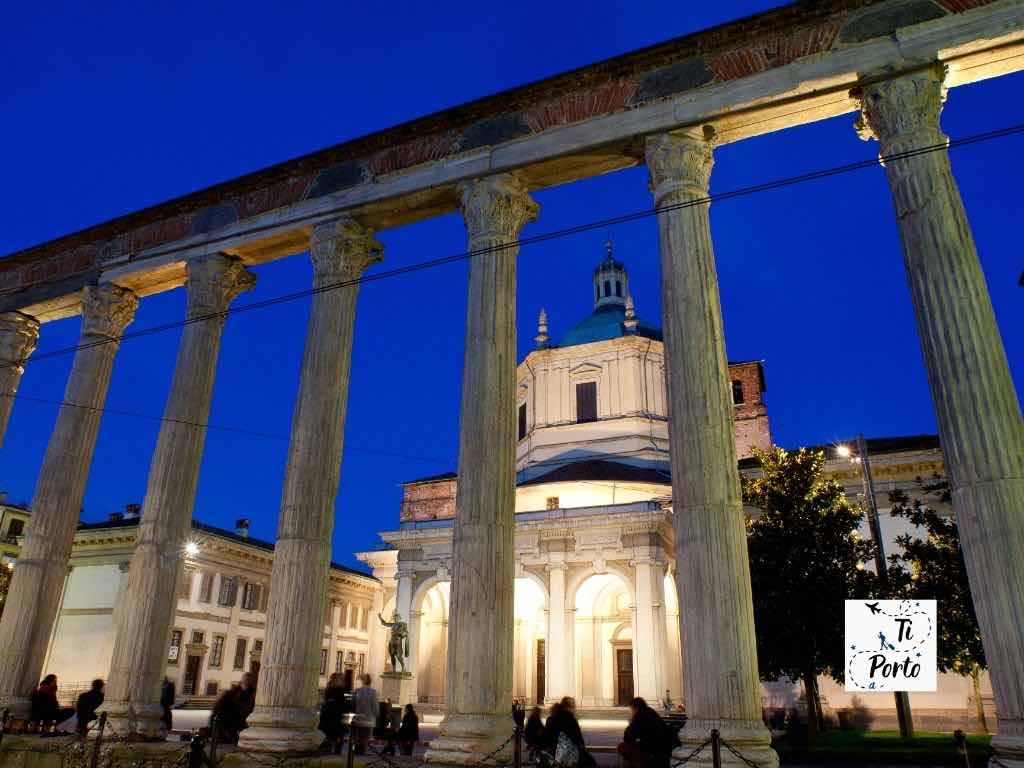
{"x":558,"y":661}
{"x":18,"y":336}
{"x":647,"y":640}
{"x":42,"y":565}
{"x":976,"y":405}
{"x":286,"y":700}
{"x":717,"y":615}
{"x":478,"y":689}
{"x":144,"y":620}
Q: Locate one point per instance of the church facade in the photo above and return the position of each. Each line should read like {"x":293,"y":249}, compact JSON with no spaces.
{"x":596,"y":602}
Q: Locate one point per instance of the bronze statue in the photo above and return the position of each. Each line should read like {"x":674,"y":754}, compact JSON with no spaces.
{"x":398,"y":643}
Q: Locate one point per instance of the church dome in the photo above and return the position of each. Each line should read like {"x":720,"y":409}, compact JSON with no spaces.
{"x":613,"y":314}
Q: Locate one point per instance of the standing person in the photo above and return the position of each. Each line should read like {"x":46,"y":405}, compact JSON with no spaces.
{"x":87,"y":704}
{"x":167,"y":694}
{"x":330,"y":714}
{"x":533,"y":731}
{"x":246,"y":699}
{"x":227,"y":720}
{"x":366,"y":709}
{"x":409,"y":730}
{"x":562,"y":722}
{"x":647,"y":741}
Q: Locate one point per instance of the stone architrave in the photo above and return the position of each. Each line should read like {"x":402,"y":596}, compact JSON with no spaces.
{"x":713,"y":579}
{"x":42,"y":564}
{"x":975,"y":401}
{"x":146,"y":607}
{"x":286,"y":701}
{"x":18,"y":335}
{"x":478,"y":688}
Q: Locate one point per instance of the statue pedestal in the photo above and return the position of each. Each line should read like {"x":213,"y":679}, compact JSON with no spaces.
{"x":399,"y":688}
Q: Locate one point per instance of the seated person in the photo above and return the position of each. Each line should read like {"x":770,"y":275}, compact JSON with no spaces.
{"x":647,"y":741}
{"x":87,"y":704}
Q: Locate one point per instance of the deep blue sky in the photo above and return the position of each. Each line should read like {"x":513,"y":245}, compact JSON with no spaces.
{"x":111,"y":107}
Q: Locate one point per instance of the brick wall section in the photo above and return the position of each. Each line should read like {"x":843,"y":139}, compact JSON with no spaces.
{"x":428,"y":500}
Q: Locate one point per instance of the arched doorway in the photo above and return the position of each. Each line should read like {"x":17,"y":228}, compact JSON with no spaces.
{"x":432,"y":649}
{"x":529,"y":644}
{"x":603,"y":641}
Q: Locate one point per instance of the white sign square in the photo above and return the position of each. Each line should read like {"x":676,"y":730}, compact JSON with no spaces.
{"x":890,"y":645}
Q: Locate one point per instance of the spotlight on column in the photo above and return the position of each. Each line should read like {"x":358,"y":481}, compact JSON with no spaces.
{"x":191,"y":549}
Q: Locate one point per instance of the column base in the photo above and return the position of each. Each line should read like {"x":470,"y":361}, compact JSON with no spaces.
{"x":1008,"y":751}
{"x":751,"y":739}
{"x":464,"y":739}
{"x":129,"y":719}
{"x":398,"y":687}
{"x":280,"y":729}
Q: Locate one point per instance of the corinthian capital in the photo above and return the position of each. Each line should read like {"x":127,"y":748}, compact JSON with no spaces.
{"x":903,"y":113}
{"x":106,"y":310}
{"x":213,"y":283}
{"x":681,"y":161}
{"x":18,"y":336}
{"x":342,"y":249}
{"x":496,"y":207}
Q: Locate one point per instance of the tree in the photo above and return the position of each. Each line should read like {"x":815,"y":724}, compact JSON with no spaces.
{"x":806,"y":559}
{"x":931,"y":567}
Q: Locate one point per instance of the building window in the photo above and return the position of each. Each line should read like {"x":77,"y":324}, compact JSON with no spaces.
{"x":205,"y":587}
{"x":174,"y":652}
{"x":198,"y":637}
{"x":217,"y":651}
{"x":251,"y":596}
{"x":737,"y":392}
{"x":522,"y":421}
{"x":618,"y":289}
{"x":552,"y":502}
{"x":228,"y":590}
{"x":366,"y":619}
{"x":339,"y":660}
{"x":15,"y":528}
{"x":185,"y":592}
{"x":211,"y":689}
{"x":362,"y":663}
{"x":323,"y":661}
{"x":240,"y":644}
{"x":586,"y":401}
{"x":607,"y":287}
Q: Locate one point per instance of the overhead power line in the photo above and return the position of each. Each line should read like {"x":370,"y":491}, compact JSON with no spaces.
{"x":541,"y":238}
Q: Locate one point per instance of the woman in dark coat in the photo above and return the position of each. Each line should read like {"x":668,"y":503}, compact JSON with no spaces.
{"x":647,"y":741}
{"x":562,"y":720}
{"x":409,"y":730}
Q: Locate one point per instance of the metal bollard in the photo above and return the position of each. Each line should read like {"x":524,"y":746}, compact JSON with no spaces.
{"x":99,"y":740}
{"x":350,"y":761}
{"x":195,"y":752}
{"x":213,"y":740}
{"x":3,"y":723}
{"x":517,"y":753}
{"x":716,"y":748}
{"x":960,"y":739}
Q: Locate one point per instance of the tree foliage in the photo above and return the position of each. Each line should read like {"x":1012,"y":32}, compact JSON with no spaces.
{"x":806,"y":559}
{"x":931,"y":567}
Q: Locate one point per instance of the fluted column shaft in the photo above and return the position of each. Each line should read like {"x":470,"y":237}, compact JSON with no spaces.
{"x":713,"y":576}
{"x":976,"y":405}
{"x":285,"y":715}
{"x":42,"y":564}
{"x":146,"y":608}
{"x":18,"y":336}
{"x":478,"y":688}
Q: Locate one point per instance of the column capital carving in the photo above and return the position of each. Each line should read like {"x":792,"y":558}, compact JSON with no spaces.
{"x":680,"y":161}
{"x":341,"y":249}
{"x":18,"y":336}
{"x":213,"y":283}
{"x":496,"y":207}
{"x":903,"y":113}
{"x":107,"y":310}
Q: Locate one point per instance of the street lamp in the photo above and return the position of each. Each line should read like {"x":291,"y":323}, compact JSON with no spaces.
{"x":191,"y":549}
{"x":860,"y":457}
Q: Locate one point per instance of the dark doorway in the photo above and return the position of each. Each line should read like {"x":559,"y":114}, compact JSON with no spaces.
{"x":623,"y":676}
{"x":191,"y":675}
{"x":540,"y":672}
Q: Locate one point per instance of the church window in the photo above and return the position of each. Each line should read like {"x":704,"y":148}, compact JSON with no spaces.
{"x":205,"y":587}
{"x":607,"y":287}
{"x":618,"y":289}
{"x":522,"y":421}
{"x":217,"y":651}
{"x":586,"y":401}
{"x":228,"y":591}
{"x":552,"y":502}
{"x":737,"y":392}
{"x":240,"y":645}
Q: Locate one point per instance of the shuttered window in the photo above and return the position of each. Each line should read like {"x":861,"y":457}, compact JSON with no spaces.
{"x":228,"y":590}
{"x":522,"y":421}
{"x":586,"y":401}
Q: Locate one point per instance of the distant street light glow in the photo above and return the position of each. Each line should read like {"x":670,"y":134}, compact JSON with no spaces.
{"x":191,"y":549}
